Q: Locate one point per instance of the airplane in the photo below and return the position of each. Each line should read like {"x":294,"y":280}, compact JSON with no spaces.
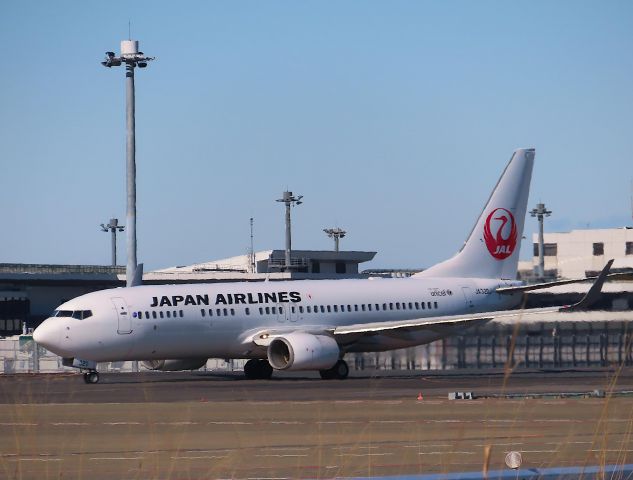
{"x":309,"y":324}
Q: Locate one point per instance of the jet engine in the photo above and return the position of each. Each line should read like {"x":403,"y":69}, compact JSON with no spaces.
{"x":303,"y":351}
{"x":175,"y":365}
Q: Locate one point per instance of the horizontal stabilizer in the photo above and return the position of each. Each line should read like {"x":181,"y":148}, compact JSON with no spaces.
{"x":594,"y":292}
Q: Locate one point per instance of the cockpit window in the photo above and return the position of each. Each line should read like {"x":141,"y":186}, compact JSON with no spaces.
{"x":78,"y":314}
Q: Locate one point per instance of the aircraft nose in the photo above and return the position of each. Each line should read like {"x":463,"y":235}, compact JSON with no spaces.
{"x":48,"y":334}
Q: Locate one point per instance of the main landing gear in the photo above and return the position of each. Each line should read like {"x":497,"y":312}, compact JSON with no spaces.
{"x":258,"y":369}
{"x":339,"y":371}
{"x":91,"y":376}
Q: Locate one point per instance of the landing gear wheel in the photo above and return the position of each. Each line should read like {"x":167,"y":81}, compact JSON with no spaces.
{"x":265,"y":370}
{"x":91,"y":377}
{"x":258,"y":369}
{"x":339,"y":371}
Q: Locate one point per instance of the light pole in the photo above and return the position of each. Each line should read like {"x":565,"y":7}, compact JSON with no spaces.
{"x":540,"y":212}
{"x":289,"y":200}
{"x":131,"y":57}
{"x":113,"y":227}
{"x":336,"y":234}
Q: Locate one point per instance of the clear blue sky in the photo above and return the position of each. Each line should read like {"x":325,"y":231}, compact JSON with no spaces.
{"x":393,"y":119}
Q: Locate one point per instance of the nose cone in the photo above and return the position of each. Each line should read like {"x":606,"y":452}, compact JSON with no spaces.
{"x":48,"y":335}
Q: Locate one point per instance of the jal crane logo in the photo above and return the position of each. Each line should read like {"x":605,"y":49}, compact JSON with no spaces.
{"x":500,"y":244}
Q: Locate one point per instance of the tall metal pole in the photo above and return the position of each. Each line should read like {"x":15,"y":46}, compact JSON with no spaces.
{"x":540,"y":212}
{"x":132,"y":58}
{"x":288,"y":236}
{"x":131,"y":174}
{"x":335,"y":233}
{"x":113,"y":227}
{"x":289,"y":200}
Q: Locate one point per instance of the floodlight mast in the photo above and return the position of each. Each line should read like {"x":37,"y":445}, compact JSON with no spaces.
{"x":540,"y":212}
{"x":336,"y":234}
{"x":113,"y":227}
{"x":131,"y":57}
{"x":289,"y":200}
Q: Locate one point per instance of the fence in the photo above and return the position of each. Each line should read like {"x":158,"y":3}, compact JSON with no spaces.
{"x":543,"y":346}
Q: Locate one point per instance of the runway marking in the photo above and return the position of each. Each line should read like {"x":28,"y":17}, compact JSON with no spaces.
{"x":445,"y":453}
{"x":229,"y":423}
{"x":198,"y":457}
{"x":357,"y":446}
{"x":74,"y":424}
{"x":176,"y":423}
{"x":577,"y":442}
{"x":368,"y":454}
{"x":289,"y":449}
{"x":116,"y":458}
{"x":610,"y":450}
{"x":427,"y":445}
{"x":535,"y":451}
{"x":390,"y":421}
{"x":121,"y":423}
{"x":286,"y":422}
{"x":19,"y":424}
{"x":327,"y":422}
{"x":511,"y":444}
{"x":283,"y":455}
{"x":555,"y":420}
{"x":35,"y":459}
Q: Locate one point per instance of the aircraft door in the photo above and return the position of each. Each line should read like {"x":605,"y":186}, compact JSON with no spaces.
{"x":124,"y":318}
{"x":468,"y":297}
{"x":285,"y":313}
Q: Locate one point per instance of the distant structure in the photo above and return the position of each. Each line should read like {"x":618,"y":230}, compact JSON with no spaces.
{"x":540,"y":212}
{"x":113,"y":227}
{"x":289,"y":200}
{"x":131,"y":57}
{"x":580,"y":253}
{"x":336,"y":234}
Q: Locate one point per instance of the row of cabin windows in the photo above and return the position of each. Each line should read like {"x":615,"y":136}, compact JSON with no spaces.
{"x":376,"y":307}
{"x":161,"y":314}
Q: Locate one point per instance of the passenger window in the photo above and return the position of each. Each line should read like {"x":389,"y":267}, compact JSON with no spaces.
{"x":247,"y":311}
{"x":281,"y":310}
{"x":410,"y":306}
{"x":377,"y":307}
{"x":336,"y":308}
{"x":362,"y":307}
{"x":300,"y":309}
{"x":203,"y":312}
{"x":210,"y":312}
{"x":422,"y":305}
{"x":274,"y":310}
{"x":355,"y":308}
{"x":329,"y":309}
{"x":261,"y":311}
{"x":232,"y":312}
{"x":384,"y":306}
{"x":309,"y":309}
{"x":349,"y":308}
{"x":168,"y":314}
{"x":154,"y":314}
{"x":369,"y":307}
{"x":175,"y":314}
{"x":322,"y":309}
{"x":397,"y":305}
{"x":218,"y":312}
{"x":226,"y":312}
{"x":428,"y":304}
{"x":391,"y":306}
{"x":435,"y":304}
{"x":146,"y":314}
{"x":417,"y":305}
{"x":267,"y":310}
{"x":292,"y":309}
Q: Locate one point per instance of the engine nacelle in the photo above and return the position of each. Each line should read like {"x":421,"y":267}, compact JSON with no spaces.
{"x":303,"y":351}
{"x":175,"y":365}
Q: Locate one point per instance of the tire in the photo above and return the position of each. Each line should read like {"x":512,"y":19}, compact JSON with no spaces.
{"x":339,"y":371}
{"x":251,"y":369}
{"x":91,"y":377}
{"x":265,"y":370}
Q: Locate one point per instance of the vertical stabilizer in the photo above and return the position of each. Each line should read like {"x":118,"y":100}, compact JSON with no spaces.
{"x":492,"y":248}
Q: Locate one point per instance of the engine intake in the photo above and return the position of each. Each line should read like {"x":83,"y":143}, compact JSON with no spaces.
{"x":303,"y":351}
{"x":175,"y":365}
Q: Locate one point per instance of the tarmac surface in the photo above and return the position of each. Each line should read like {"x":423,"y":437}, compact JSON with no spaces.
{"x":211,"y":425}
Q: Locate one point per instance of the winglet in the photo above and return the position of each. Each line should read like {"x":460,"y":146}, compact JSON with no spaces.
{"x":594,"y":292}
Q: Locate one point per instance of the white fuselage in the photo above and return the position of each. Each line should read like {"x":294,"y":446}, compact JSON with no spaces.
{"x":220,"y":320}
